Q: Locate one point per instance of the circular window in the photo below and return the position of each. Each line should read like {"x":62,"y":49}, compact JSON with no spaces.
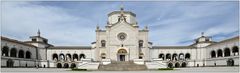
{"x":122,"y":36}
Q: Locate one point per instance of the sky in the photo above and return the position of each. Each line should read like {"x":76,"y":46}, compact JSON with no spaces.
{"x":73,"y":23}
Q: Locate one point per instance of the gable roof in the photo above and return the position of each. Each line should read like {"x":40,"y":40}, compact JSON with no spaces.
{"x":70,"y":47}
{"x":16,"y":41}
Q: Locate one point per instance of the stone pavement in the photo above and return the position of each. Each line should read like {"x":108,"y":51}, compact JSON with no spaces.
{"x":177,"y":70}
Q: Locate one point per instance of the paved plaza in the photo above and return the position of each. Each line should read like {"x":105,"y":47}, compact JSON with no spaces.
{"x":177,"y":70}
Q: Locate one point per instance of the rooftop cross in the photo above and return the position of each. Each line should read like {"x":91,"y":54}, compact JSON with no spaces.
{"x":38,"y":32}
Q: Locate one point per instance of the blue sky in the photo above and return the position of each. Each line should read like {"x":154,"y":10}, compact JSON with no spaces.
{"x":74,"y":22}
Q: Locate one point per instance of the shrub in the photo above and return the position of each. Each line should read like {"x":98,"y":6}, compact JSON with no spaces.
{"x":165,"y":69}
{"x":76,"y":69}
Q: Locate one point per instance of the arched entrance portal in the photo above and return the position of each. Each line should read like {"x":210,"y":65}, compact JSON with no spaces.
{"x":122,"y":53}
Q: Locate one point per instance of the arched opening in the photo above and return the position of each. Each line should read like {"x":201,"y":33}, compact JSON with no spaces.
{"x":62,"y":57}
{"x":68,"y":57}
{"x":21,"y":54}
{"x":168,"y":56}
{"x":170,"y":65}
{"x":103,"y":55}
{"x":181,"y":56}
{"x":73,"y":65}
{"x":75,"y":57}
{"x":141,"y":56}
{"x":66,"y":65}
{"x":230,"y":62}
{"x":187,"y":56}
{"x":161,"y":56}
{"x":177,"y":65}
{"x":5,"y":51}
{"x":184,"y":64}
{"x":13,"y":52}
{"x":122,"y":54}
{"x":103,"y":43}
{"x":59,"y":65}
{"x":227,"y":52}
{"x":28,"y":55}
{"x":174,"y":56}
{"x":55,"y":57}
{"x":213,"y":54}
{"x":10,"y":63}
{"x":235,"y":50}
{"x":82,"y":56}
{"x":219,"y":53}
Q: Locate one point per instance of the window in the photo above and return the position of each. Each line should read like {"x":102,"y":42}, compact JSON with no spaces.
{"x":122,"y":36}
{"x":44,"y":41}
{"x":213,"y":54}
{"x":140,"y":42}
{"x":103,"y":43}
{"x":34,"y":40}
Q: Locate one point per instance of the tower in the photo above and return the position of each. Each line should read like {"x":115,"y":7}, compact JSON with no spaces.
{"x":42,"y":44}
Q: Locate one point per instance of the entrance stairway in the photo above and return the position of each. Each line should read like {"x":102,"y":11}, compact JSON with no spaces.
{"x":122,"y":66}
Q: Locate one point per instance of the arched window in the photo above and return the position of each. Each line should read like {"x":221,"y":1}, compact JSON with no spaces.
{"x":75,"y":57}
{"x":219,"y":53}
{"x":227,"y":52}
{"x":213,"y":54}
{"x":187,"y":56}
{"x":184,"y":64}
{"x":13,"y":52}
{"x":170,"y":65}
{"x":177,"y":65}
{"x":59,"y":65}
{"x":82,"y":56}
{"x":73,"y":65}
{"x":62,"y":57}
{"x":235,"y":50}
{"x":66,"y":65}
{"x":140,"y":43}
{"x":103,"y":43}
{"x":21,"y":54}
{"x":28,"y":55}
{"x":181,"y":56}
{"x":5,"y":51}
{"x":68,"y":57}
{"x":141,"y":55}
{"x":230,"y":62}
{"x":55,"y":57}
{"x":161,"y":56}
{"x":103,"y":56}
{"x":168,"y":56}
{"x":174,"y":56}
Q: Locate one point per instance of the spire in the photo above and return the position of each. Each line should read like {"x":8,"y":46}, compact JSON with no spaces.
{"x":38,"y":33}
{"x":121,"y":6}
{"x":98,"y":27}
{"x":146,"y":27}
{"x":122,"y":9}
{"x":202,"y":33}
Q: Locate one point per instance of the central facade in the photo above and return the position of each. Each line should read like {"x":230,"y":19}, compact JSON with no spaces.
{"x":122,"y":40}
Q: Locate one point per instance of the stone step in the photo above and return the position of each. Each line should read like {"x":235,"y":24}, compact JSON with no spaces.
{"x":122,"y":66}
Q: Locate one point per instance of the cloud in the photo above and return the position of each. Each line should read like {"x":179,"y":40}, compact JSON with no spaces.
{"x":73,"y":23}
{"x":23,"y":19}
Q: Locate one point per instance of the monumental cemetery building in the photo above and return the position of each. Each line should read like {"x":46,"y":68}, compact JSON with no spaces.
{"x":121,"y":41}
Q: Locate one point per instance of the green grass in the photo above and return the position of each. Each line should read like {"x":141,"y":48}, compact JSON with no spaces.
{"x":76,"y":69}
{"x":165,"y":69}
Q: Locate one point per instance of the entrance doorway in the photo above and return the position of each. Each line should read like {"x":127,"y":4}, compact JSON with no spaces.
{"x":10,"y":63}
{"x":122,"y":55}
